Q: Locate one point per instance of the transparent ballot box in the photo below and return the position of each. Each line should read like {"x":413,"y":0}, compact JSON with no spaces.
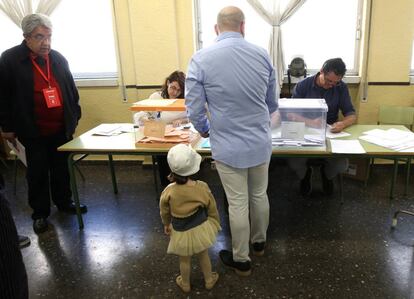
{"x":300,"y":122}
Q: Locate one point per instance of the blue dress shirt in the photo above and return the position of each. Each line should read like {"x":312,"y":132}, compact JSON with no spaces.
{"x":337,"y":98}
{"x":235,"y":80}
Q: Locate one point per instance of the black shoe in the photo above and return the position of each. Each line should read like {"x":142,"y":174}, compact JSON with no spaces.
{"x":40,"y":225}
{"x":23,"y":241}
{"x":306,"y":183}
{"x":327,"y":184}
{"x":241,"y":268}
{"x":258,"y":248}
{"x":71,"y":208}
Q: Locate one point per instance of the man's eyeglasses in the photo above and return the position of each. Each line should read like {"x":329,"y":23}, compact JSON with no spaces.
{"x":331,"y":82}
{"x":41,"y":37}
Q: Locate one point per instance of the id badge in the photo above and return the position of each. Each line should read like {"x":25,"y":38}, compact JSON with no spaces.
{"x":51,"y":97}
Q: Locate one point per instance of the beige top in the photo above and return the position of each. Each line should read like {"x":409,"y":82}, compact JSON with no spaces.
{"x":183,"y":200}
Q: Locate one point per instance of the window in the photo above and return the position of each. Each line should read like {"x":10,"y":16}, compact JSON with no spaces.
{"x":319,"y":30}
{"x":81,"y":33}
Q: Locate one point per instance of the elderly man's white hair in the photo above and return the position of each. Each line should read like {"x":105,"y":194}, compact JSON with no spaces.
{"x":30,"y":22}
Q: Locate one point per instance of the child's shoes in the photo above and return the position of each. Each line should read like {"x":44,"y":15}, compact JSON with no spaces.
{"x":210,"y":284}
{"x":184,"y":287}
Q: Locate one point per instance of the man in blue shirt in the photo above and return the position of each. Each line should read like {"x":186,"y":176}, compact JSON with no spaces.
{"x":235,"y":80}
{"x":326,"y":84}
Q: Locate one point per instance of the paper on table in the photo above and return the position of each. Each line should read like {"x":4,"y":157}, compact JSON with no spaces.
{"x":331,"y":135}
{"x":19,"y":150}
{"x":206,"y":143}
{"x":113,"y":129}
{"x":347,"y":147}
{"x":394,"y":139}
{"x":153,"y":102}
{"x":375,"y":132}
{"x":390,"y":134}
{"x":107,"y":130}
{"x":407,"y":150}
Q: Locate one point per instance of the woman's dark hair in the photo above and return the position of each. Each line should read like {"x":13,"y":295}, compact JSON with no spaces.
{"x":335,"y":65}
{"x":177,"y":76}
{"x":180,"y":180}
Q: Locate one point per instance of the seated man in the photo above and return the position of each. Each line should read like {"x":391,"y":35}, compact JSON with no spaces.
{"x":326,"y":84}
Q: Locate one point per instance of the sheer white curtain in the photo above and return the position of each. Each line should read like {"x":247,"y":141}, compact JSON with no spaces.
{"x":271,"y":12}
{"x":16,"y":10}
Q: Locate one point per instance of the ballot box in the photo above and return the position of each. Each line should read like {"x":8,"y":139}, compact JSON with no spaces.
{"x":299,"y":122}
{"x":153,"y":132}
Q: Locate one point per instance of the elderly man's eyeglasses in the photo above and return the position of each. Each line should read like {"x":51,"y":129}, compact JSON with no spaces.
{"x":41,"y":37}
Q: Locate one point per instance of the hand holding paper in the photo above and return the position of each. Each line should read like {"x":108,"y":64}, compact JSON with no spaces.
{"x":18,"y":149}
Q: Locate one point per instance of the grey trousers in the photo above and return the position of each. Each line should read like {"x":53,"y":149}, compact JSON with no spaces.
{"x":248,"y":205}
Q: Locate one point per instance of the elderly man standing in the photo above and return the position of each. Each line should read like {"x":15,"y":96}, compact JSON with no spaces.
{"x":237,"y":82}
{"x":39,"y":104}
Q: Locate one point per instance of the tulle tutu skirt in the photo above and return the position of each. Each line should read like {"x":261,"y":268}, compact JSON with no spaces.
{"x":194,"y":240}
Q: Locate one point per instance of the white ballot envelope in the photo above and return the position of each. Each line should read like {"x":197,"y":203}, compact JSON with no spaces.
{"x":293,"y":130}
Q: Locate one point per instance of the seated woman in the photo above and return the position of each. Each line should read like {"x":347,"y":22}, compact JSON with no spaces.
{"x":173,"y":88}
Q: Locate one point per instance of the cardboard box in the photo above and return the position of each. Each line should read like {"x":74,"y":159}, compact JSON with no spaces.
{"x":159,"y":105}
{"x":358,"y":169}
{"x":168,"y":141}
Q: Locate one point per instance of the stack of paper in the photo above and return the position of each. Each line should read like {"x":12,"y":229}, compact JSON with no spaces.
{"x":317,"y":139}
{"x":332,"y":135}
{"x":171,"y":135}
{"x":291,"y":142}
{"x":309,"y":140}
{"x":346,"y":147}
{"x":154,"y":102}
{"x":294,"y":135}
{"x":398,"y":140}
{"x":112,"y":129}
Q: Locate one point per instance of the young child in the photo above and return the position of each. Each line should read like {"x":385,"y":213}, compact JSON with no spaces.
{"x":189,"y":214}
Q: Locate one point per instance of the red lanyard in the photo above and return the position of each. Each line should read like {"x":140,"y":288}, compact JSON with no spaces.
{"x":41,"y":71}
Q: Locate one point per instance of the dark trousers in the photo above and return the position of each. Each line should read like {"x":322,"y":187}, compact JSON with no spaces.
{"x":163,"y":170}
{"x":13,"y":278}
{"x":47,"y":174}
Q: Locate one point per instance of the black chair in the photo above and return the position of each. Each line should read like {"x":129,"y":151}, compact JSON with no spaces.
{"x":318,"y":163}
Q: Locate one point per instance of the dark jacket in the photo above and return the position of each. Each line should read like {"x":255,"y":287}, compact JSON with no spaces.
{"x":16,"y":92}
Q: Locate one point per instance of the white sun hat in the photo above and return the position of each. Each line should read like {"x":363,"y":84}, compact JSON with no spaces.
{"x":183,"y":160}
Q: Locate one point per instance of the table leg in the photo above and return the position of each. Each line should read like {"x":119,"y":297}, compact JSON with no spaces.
{"x":154,"y":172}
{"x":394,"y":179}
{"x":407,"y":176}
{"x":73,"y":186}
{"x":341,"y":187}
{"x":111,"y":167}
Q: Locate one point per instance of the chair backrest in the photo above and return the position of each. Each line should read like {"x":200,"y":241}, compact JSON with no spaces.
{"x":396,"y":115}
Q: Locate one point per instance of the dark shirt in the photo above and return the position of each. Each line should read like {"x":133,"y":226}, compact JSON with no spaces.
{"x":49,"y":121}
{"x":337,"y":98}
